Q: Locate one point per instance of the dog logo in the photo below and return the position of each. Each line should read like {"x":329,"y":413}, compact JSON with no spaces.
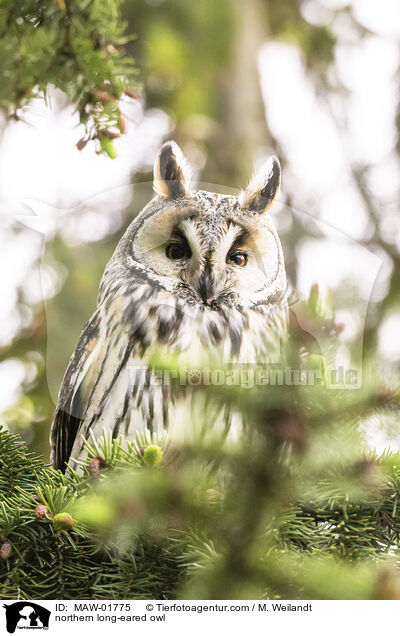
{"x":26,"y":615}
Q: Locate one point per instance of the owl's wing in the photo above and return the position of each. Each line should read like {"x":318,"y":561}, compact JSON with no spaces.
{"x":75,"y":391}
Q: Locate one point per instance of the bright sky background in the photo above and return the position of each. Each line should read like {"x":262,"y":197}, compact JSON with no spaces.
{"x":41,"y":170}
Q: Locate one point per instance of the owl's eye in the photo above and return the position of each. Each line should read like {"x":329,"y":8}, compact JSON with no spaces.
{"x":176,"y":251}
{"x":239,"y":258}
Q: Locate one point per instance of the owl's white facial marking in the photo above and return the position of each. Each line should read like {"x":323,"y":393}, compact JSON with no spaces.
{"x":217,"y":259}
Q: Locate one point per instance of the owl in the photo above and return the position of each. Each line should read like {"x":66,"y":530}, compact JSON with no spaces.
{"x":195,"y":273}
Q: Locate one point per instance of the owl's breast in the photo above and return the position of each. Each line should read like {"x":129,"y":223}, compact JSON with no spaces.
{"x":155,"y":319}
{"x":148,"y":355}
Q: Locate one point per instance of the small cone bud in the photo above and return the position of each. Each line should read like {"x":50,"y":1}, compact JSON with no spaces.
{"x":63,"y":521}
{"x":122,"y":124}
{"x":103,"y":96}
{"x":5,"y":550}
{"x":152,"y":456}
{"x":94,"y":467}
{"x":42,"y":513}
{"x":132,"y":93}
{"x":82,"y":143}
{"x":110,"y":134}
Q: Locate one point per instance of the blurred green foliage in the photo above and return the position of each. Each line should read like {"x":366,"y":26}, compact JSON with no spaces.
{"x":74,"y":45}
{"x":295,"y":507}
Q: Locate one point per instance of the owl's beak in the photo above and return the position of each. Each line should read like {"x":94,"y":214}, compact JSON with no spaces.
{"x":205,"y":286}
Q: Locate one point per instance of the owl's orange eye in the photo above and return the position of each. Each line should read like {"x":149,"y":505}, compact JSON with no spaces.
{"x":239,"y":258}
{"x":176,"y":251}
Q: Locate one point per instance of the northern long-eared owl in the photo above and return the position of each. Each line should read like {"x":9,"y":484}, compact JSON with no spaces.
{"x":195,"y":272}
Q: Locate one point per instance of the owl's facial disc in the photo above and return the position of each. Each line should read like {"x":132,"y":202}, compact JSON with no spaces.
{"x":211,"y":249}
{"x":214,"y":259}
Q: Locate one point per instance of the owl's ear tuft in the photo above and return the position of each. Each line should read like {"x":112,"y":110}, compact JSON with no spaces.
{"x":263,"y":188}
{"x":171,"y":172}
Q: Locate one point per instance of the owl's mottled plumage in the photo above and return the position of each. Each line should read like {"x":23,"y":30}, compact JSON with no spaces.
{"x":195,"y":271}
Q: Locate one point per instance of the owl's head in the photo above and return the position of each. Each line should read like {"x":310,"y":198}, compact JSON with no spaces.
{"x":208,"y":249}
